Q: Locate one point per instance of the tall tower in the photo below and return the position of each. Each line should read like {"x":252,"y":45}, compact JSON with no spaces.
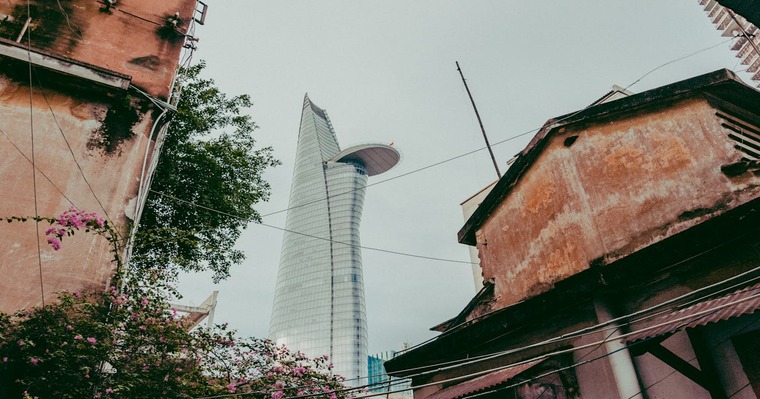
{"x":319,"y":298}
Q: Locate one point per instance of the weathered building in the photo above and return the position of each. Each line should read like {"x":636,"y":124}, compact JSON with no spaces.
{"x":85,"y":88}
{"x":620,"y":255}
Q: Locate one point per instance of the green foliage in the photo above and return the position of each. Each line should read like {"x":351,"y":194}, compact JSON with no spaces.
{"x":123,"y":114}
{"x":133,"y":345}
{"x":128,"y":342}
{"x":208,"y":161}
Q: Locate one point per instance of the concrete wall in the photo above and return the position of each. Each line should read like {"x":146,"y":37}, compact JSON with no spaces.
{"x":622,"y":185}
{"x":68,"y":119}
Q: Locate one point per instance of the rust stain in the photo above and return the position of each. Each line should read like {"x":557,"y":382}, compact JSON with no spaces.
{"x":541,"y":197}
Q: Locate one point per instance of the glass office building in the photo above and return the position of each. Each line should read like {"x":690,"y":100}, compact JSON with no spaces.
{"x":319,"y":298}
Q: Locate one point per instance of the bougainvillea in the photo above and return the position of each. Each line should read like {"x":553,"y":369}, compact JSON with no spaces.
{"x":127,"y":342}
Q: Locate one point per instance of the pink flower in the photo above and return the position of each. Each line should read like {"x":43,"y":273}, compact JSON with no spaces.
{"x":54,"y":242}
{"x":144,"y":301}
{"x":69,"y":327}
{"x":33,"y":360}
{"x":5,"y":359}
{"x":109,"y":390}
{"x":278,"y":394}
{"x":231,"y":387}
{"x":77,"y":337}
{"x":92,"y":340}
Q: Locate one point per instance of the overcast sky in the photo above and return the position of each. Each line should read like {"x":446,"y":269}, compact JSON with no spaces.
{"x":385,"y":72}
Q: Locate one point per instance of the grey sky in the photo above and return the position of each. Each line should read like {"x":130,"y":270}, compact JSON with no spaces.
{"x":385,"y":73}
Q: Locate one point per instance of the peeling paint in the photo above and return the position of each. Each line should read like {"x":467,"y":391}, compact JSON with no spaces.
{"x":625,"y":186}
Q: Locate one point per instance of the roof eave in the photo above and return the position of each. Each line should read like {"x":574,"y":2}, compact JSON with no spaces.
{"x":691,"y":86}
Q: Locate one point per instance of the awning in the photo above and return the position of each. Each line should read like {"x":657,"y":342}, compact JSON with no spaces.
{"x":483,"y":382}
{"x":738,"y":303}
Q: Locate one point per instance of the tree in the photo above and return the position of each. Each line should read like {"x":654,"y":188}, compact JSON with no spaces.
{"x":127,"y":342}
{"x":207,"y":180}
{"x":133,"y":345}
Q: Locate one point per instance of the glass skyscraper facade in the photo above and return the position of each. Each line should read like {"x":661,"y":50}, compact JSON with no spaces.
{"x":319,"y":298}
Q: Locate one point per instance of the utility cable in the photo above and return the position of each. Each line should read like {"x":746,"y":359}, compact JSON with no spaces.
{"x":310,"y":235}
{"x":438,"y":164}
{"x":736,"y":281}
{"x":34,"y":166}
{"x":678,"y":59}
{"x":38,"y":169}
{"x":683,"y":321}
{"x":68,"y":21}
{"x":686,"y":320}
{"x":73,"y":157}
{"x":644,"y":313}
{"x":527,"y":132}
{"x":746,"y":326}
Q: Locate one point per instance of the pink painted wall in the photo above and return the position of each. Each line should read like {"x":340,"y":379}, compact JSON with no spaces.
{"x":62,"y":120}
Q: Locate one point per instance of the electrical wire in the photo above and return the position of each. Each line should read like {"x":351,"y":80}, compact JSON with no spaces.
{"x":684,"y":321}
{"x":38,"y":169}
{"x":746,"y":326}
{"x":678,"y":59}
{"x":617,"y":322}
{"x":34,"y":166}
{"x":432,"y":166}
{"x":508,"y":139}
{"x":68,"y":21}
{"x":310,"y":235}
{"x":73,"y":157}
{"x":690,"y":319}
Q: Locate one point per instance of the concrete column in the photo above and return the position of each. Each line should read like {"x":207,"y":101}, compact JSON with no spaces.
{"x":620,"y":360}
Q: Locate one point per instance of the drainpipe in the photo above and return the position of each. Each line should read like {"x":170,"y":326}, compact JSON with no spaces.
{"x":623,"y":370}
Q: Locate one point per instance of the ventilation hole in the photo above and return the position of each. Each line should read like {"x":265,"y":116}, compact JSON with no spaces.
{"x":570,"y":140}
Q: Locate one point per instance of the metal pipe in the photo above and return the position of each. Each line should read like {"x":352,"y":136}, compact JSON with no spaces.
{"x":621,"y":363}
{"x":482,"y":129}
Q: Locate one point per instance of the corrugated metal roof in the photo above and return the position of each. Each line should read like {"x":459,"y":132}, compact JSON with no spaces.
{"x":738,"y":303}
{"x":484,"y":382}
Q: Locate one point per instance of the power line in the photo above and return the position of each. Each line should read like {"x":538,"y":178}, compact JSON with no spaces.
{"x":38,"y":169}
{"x":34,"y":167}
{"x":685,"y":320}
{"x":537,"y":358}
{"x":310,"y":235}
{"x":527,"y":132}
{"x":71,"y":151}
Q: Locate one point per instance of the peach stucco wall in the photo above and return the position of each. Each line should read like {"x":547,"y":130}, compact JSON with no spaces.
{"x":62,"y":120}
{"x":59,"y":121}
{"x":623,"y":185}
{"x":124,"y":40}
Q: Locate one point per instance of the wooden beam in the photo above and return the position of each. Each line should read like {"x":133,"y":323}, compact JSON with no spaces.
{"x":708,"y":368}
{"x":700,"y":377}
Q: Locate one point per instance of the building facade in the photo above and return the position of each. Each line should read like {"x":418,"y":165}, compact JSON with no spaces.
{"x":319,"y":298}
{"x":734,"y":18}
{"x":378,"y":381}
{"x":85,"y":91}
{"x":620,"y":258}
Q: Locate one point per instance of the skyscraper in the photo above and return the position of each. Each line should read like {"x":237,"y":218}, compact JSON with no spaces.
{"x":319,"y":298}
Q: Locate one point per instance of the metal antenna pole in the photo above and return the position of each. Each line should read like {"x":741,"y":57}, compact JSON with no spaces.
{"x":482,"y":129}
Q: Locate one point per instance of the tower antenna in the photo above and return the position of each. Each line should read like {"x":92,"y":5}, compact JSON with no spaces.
{"x":482,"y":129}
